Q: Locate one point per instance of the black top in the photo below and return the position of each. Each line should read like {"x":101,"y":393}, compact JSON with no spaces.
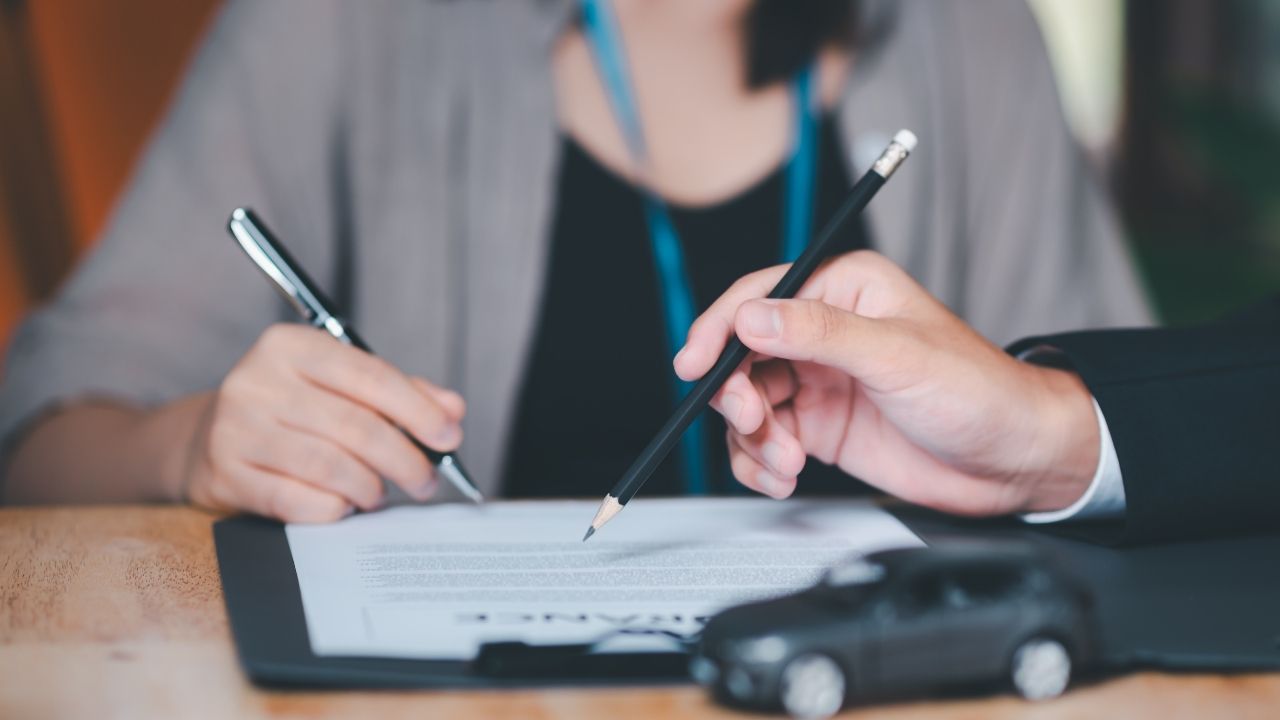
{"x":599,"y":382}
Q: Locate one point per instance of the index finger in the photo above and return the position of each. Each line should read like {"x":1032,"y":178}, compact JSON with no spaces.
{"x":380,"y":386}
{"x":711,"y":331}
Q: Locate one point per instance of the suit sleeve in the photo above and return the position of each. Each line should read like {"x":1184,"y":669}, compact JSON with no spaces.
{"x":1194,"y":414}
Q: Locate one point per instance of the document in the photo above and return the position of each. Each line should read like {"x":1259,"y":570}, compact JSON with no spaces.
{"x":438,"y":581}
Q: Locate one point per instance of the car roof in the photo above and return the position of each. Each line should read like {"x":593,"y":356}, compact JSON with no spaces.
{"x":959,"y":555}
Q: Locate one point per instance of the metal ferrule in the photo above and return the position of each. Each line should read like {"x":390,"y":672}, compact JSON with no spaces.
{"x":890,"y":159}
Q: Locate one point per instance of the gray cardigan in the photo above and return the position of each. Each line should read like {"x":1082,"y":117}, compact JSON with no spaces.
{"x":407,"y":152}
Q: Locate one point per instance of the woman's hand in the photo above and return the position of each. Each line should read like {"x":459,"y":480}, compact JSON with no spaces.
{"x":304,"y":428}
{"x":867,"y":371}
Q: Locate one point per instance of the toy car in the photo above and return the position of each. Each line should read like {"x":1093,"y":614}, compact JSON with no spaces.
{"x":899,"y":622}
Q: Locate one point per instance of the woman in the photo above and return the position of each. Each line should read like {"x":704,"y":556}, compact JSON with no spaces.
{"x":466,"y":179}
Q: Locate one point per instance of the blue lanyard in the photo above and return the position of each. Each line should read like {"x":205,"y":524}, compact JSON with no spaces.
{"x":601,"y":29}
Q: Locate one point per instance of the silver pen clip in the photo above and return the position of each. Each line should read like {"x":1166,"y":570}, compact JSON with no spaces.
{"x":267,"y":257}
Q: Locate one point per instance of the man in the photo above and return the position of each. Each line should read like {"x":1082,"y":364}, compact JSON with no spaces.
{"x":1174,"y":432}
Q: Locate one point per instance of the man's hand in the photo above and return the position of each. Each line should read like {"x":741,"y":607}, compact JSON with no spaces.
{"x":304,"y":428}
{"x":867,"y":371}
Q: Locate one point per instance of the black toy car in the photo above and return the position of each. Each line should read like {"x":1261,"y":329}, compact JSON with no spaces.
{"x":900,"y":622}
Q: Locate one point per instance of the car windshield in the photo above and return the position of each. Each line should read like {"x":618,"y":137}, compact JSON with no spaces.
{"x":857,"y":572}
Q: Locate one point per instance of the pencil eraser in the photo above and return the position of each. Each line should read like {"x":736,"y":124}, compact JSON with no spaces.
{"x":906,"y":139}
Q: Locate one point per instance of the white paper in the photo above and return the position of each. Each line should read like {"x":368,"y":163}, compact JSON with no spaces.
{"x":437,"y":581}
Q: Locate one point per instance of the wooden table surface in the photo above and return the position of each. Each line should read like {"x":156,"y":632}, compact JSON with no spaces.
{"x":116,"y":612}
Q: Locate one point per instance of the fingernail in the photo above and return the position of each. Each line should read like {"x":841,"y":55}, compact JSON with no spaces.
{"x":768,"y":483}
{"x":761,"y":319}
{"x":732,"y":406}
{"x":426,"y":489}
{"x":448,"y":435}
{"x":773,"y":455}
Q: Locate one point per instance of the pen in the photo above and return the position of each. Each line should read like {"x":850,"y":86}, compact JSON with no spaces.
{"x":735,"y":352}
{"x":272,"y":259}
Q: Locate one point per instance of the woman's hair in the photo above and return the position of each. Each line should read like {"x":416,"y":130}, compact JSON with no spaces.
{"x":785,"y":35}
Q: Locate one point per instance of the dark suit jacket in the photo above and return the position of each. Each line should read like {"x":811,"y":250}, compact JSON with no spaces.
{"x":1195,"y":417}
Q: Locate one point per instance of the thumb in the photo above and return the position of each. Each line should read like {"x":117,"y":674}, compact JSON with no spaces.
{"x":813,"y":331}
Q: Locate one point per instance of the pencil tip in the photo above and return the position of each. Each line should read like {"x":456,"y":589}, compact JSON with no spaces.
{"x":590,"y":531}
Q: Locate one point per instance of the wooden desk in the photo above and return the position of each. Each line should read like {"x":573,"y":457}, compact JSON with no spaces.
{"x":117,"y":612}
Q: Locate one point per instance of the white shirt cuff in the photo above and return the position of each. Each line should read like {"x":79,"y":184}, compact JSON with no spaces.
{"x":1105,"y":497}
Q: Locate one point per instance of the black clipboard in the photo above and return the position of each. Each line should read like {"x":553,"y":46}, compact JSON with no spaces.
{"x":1209,"y":605}
{"x":264,"y":606}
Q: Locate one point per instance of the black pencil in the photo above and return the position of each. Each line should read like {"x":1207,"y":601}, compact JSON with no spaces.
{"x":735,"y":352}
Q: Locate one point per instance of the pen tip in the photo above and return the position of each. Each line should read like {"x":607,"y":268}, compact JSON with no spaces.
{"x":590,"y":531}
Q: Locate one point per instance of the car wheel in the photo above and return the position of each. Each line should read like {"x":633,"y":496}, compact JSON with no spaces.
{"x":812,"y":686}
{"x":1041,"y":669}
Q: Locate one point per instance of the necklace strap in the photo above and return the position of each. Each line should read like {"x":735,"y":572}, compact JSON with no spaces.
{"x":604,"y":37}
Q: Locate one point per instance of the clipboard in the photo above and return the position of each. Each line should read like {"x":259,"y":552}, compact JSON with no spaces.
{"x":1206,"y":605}
{"x":264,"y":606}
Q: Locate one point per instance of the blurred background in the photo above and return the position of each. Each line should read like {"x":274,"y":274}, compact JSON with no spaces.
{"x":1177,"y":103}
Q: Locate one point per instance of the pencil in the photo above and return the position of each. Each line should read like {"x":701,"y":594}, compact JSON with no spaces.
{"x":904,"y":141}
